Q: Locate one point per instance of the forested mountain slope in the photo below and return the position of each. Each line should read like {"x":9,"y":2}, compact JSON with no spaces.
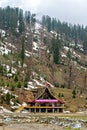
{"x":37,"y":53}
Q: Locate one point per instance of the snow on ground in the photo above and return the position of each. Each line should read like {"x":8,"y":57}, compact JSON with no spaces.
{"x":52,"y":32}
{"x":43,"y":47}
{"x":9,"y":44}
{"x":38,"y":83}
{"x":2,"y":32}
{"x":11,"y":102}
{"x":66,"y":48}
{"x":27,"y":53}
{"x":9,"y":75}
{"x":13,"y":70}
{"x":76,"y":55}
{"x":14,"y":107}
{"x":35,"y":46}
{"x":24,"y":104}
{"x":48,"y":51}
{"x":7,"y":67}
{"x":72,"y":44}
{"x":16,"y":96}
{"x":31,"y":85}
{"x":2,"y":109}
{"x":5,"y":91}
{"x":34,"y":83}
{"x":4,"y":50}
{"x":75,"y":63}
{"x":83,"y":68}
{"x":79,"y":45}
{"x":73,"y":52}
{"x":81,"y":49}
{"x":63,"y":55}
{"x":37,"y":26}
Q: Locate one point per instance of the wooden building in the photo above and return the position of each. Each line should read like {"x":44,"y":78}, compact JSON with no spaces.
{"x":45,"y":102}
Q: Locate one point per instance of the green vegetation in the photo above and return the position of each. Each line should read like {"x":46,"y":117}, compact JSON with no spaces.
{"x":72,"y":129}
{"x":56,"y":49}
{"x":7,"y":98}
{"x":74,"y":93}
{"x":23,"y":51}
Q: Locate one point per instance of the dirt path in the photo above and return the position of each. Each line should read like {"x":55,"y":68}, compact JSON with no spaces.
{"x":32,"y":127}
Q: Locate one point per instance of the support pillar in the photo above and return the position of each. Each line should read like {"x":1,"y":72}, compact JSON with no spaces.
{"x":53,"y":110}
{"x":35,"y":110}
{"x":46,"y":110}
{"x":39,"y":110}
{"x":29,"y":109}
{"x":58,"y":110}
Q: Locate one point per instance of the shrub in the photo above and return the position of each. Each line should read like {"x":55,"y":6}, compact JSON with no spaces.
{"x":59,"y":95}
{"x":12,"y":87}
{"x":74,"y":93}
{"x":25,"y":84}
{"x":19,"y":85}
{"x":62,"y":85}
{"x":8,"y":97}
{"x":16,"y":78}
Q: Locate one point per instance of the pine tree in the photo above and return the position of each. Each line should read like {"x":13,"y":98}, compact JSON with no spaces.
{"x":43,"y":21}
{"x":28,"y":17}
{"x":33,"y":21}
{"x":53,"y":24}
{"x":21,"y":22}
{"x":23,"y":51}
{"x":48,"y":23}
{"x":56,"y":49}
{"x":85,"y":42}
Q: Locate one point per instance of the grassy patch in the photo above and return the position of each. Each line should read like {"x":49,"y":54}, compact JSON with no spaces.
{"x":72,"y":129}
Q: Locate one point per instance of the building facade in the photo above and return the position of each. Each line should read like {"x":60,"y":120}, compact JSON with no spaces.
{"x":45,"y":102}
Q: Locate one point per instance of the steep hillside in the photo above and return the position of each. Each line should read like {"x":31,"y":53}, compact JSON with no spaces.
{"x":38,"y":57}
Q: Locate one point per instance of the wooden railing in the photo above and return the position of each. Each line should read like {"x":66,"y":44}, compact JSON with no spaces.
{"x":43,"y":107}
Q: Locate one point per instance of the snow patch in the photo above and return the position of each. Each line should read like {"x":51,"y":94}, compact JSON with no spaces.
{"x":5,"y":91}
{"x":11,"y":45}
{"x":76,"y":55}
{"x":37,"y":26}
{"x":66,"y":48}
{"x":26,"y":54}
{"x":24,"y":104}
{"x":4,"y":50}
{"x":37,"y":83}
{"x":4,"y":110}
{"x":2,"y":32}
{"x":11,"y":102}
{"x":63,"y":55}
{"x":35,"y":46}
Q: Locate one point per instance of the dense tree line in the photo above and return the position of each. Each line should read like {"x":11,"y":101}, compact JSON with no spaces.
{"x":73,"y":32}
{"x":12,"y":19}
{"x":15,"y":19}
